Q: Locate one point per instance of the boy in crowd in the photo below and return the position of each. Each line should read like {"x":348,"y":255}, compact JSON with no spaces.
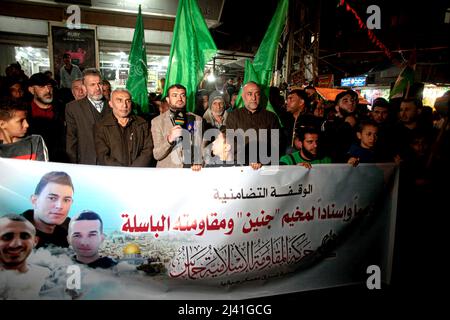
{"x":364,"y":152}
{"x":13,"y":128}
{"x":218,"y":153}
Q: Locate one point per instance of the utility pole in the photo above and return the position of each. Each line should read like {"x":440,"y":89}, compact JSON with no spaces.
{"x":298,"y":53}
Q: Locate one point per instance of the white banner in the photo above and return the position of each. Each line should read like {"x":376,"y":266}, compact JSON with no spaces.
{"x":222,"y":232}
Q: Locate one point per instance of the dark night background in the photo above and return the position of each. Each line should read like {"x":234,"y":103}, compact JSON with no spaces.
{"x":345,"y":49}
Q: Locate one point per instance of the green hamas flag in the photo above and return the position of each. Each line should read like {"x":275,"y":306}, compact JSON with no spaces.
{"x":137,"y":79}
{"x":403,"y":83}
{"x":261,"y":70}
{"x":192,"y":47}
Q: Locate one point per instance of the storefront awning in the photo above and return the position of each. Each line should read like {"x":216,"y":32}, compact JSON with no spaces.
{"x":330,"y":94}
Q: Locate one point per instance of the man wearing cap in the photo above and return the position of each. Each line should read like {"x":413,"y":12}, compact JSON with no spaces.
{"x":46,"y":116}
{"x":215,"y":116}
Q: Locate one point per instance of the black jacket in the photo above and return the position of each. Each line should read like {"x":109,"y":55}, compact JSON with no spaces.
{"x":129,"y":146}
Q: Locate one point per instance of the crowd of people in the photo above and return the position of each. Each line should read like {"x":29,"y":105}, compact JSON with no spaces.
{"x":95,"y":125}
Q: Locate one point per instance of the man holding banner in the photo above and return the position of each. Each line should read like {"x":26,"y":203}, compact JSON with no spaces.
{"x":254,"y":117}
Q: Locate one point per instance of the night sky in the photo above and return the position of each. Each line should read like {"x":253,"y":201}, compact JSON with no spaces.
{"x":404,"y":25}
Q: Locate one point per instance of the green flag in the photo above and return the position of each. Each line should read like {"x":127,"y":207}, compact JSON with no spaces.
{"x":192,"y":47}
{"x":137,"y":79}
{"x":261,"y":70}
{"x":404,"y":81}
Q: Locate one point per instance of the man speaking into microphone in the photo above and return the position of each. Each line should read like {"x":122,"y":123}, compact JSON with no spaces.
{"x":177,"y":134}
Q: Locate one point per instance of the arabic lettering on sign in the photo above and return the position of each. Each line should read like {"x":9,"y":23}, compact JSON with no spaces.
{"x":250,"y":222}
{"x":258,"y":222}
{"x":185,"y":223}
{"x":154,"y":225}
{"x":262,"y":193}
{"x":326,"y":212}
{"x":198,"y":261}
{"x":182,"y":223}
{"x":211,"y":224}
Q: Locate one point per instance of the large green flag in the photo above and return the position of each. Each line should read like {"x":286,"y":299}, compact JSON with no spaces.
{"x":137,"y":79}
{"x":192,"y":47}
{"x":261,"y":69}
{"x":404,"y":81}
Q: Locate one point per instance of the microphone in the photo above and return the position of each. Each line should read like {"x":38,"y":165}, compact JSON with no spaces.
{"x":171,"y":116}
{"x":172,"y":119}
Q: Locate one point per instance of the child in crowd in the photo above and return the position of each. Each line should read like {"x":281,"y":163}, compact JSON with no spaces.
{"x":219,"y":153}
{"x":13,"y":128}
{"x":364,"y":152}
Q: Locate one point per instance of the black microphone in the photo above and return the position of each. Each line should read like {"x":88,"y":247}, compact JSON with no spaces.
{"x":172,"y":119}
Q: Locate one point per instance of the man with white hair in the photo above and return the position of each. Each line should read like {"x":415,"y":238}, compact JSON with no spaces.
{"x":78,"y":91}
{"x":215,"y":115}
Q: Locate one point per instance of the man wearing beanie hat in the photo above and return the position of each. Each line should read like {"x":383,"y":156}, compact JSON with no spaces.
{"x":215,"y":115}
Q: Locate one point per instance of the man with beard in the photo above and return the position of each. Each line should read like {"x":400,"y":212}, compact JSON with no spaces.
{"x":297,"y":107}
{"x":340,"y":130}
{"x":215,"y":115}
{"x":309,"y":153}
{"x":254,"y":121}
{"x":409,"y":124}
{"x":177,"y":134}
{"x":46,"y":117}
{"x":81,"y":117}
{"x":18,"y":278}
{"x":51,"y":202}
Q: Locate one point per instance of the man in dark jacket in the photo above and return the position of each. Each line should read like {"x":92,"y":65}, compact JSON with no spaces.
{"x":121,"y":138}
{"x":46,"y":116}
{"x":257,"y":125}
{"x":81,"y":117}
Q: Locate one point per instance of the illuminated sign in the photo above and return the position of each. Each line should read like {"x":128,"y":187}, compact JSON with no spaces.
{"x":353,"y":82}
